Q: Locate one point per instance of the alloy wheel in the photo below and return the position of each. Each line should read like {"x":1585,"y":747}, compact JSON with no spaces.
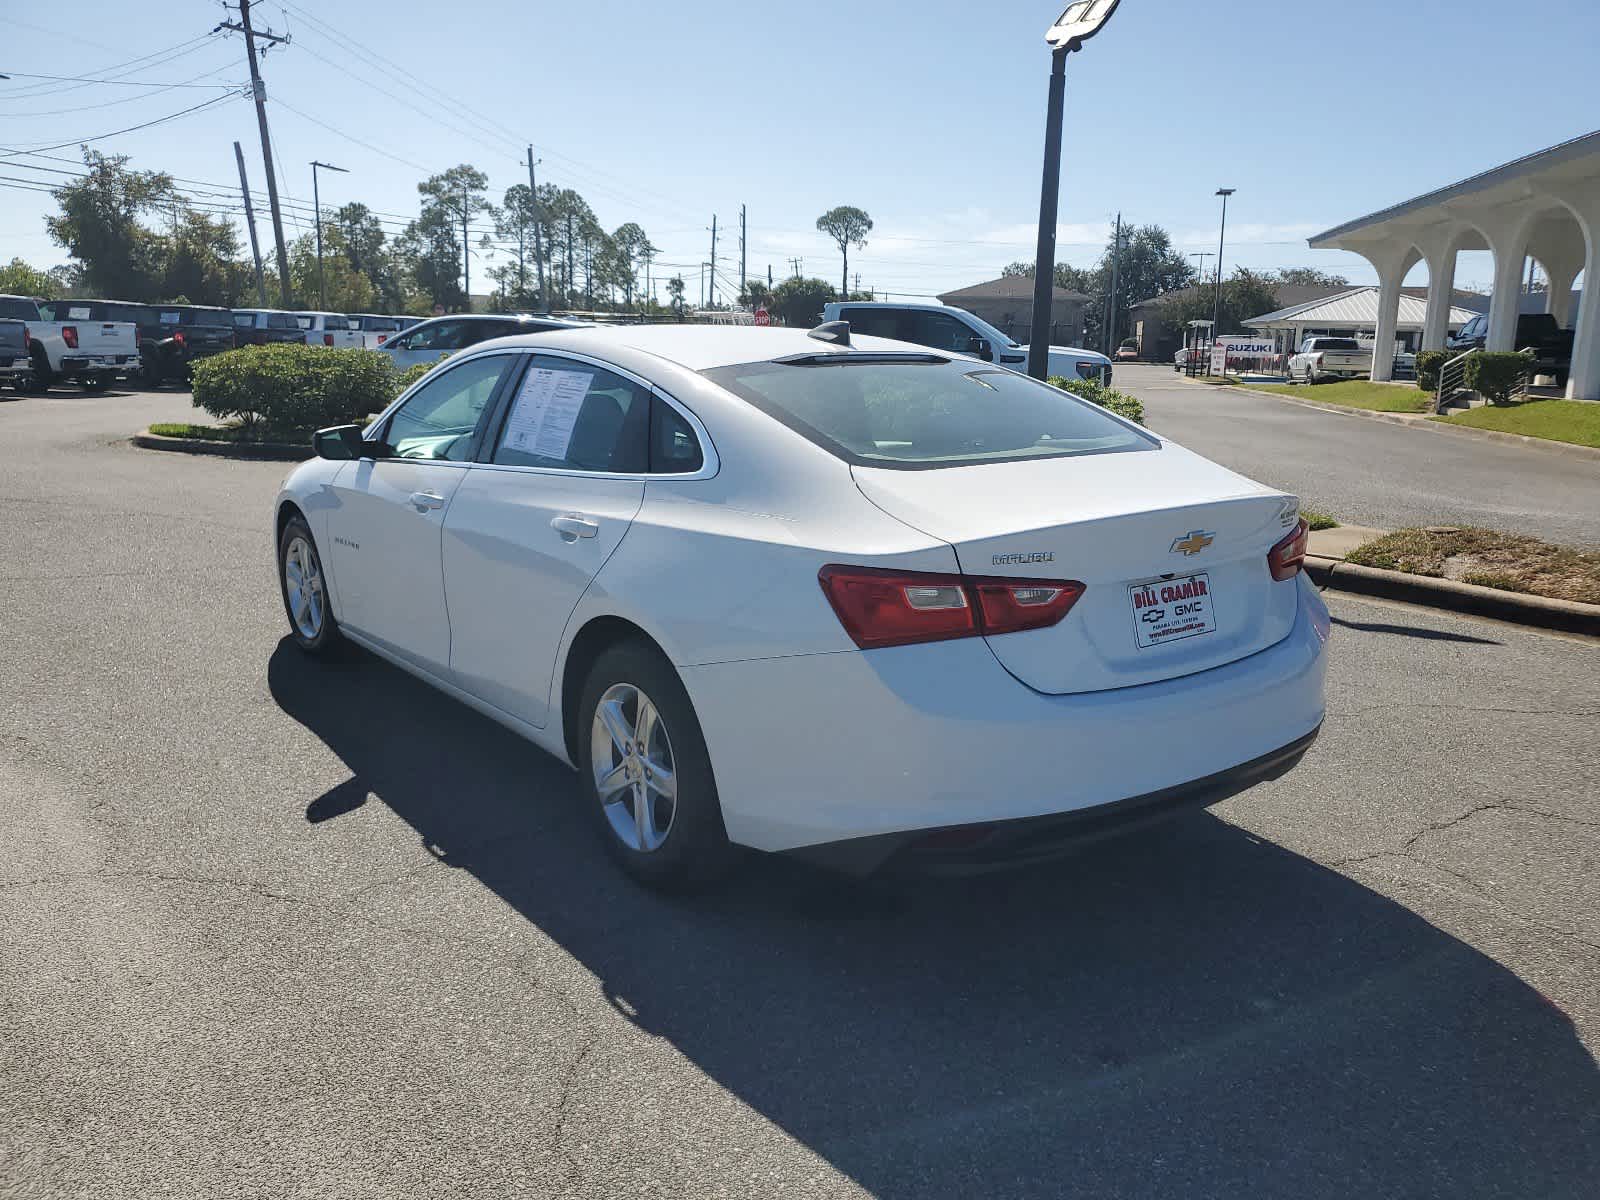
{"x":634,"y":772}
{"x":302,"y":583}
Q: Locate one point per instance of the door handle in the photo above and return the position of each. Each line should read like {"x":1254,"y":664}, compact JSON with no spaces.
{"x":571,"y":528}
{"x":426,"y":500}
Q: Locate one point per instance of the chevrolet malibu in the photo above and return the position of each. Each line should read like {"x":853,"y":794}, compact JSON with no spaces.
{"x":845,"y":598}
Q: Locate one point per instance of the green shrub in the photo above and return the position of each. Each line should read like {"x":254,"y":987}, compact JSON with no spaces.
{"x":287,"y":390}
{"x":1429,"y":364}
{"x":1494,"y":376}
{"x":1096,"y":392}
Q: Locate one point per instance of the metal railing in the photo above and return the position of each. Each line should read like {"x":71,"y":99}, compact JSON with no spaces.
{"x":1453,"y":381}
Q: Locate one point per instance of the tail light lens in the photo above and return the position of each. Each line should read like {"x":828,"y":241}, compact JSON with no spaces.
{"x":1286,"y":558}
{"x":327,"y":339}
{"x":881,"y":607}
{"x":178,"y":337}
{"x":69,"y":335}
{"x":27,"y":338}
{"x":382,"y":338}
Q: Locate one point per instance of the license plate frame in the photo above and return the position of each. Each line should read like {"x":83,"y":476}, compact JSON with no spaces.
{"x":1172,"y":610}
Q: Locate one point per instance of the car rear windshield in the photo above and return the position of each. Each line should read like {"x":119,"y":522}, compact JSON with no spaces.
{"x":18,"y":309}
{"x":1336,"y":344}
{"x":194,"y":316}
{"x":920,"y":414}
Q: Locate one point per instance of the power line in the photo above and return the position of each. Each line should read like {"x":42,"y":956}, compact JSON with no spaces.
{"x":58,"y":112}
{"x":133,"y":66}
{"x":100,"y":137}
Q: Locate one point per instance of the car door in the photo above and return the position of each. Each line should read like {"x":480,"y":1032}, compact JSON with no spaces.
{"x":385,"y":527}
{"x":941,"y":331}
{"x":561,"y":478}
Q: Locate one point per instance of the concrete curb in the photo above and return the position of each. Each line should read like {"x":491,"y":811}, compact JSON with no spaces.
{"x":256,"y":451}
{"x":1541,"y":612}
{"x":1420,"y":421}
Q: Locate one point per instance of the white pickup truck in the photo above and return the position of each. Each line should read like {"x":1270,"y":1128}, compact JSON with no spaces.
{"x":1329,"y":358}
{"x":91,"y":352}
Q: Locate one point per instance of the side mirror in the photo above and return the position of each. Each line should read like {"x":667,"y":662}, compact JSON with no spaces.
{"x":980,"y":347}
{"x":342,"y":443}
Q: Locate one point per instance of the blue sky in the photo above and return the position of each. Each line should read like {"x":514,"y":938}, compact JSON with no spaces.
{"x":929,"y":116}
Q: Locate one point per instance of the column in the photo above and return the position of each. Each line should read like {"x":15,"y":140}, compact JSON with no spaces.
{"x":1508,"y":238}
{"x":1583,"y":199}
{"x":1441,"y":287}
{"x":1388,"y":317}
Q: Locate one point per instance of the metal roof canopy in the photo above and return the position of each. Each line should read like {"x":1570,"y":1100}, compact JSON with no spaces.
{"x":1357,"y":308}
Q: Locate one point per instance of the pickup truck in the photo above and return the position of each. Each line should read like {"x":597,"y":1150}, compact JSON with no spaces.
{"x":1539,"y":332}
{"x":67,"y":345}
{"x":374,"y":329}
{"x":15,"y":366}
{"x":944,"y":327}
{"x":328,"y":329}
{"x":1329,"y":358}
{"x":188,"y":333}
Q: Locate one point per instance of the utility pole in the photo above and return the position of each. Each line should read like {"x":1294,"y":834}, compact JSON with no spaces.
{"x":466,"y":250}
{"x":795,"y":263}
{"x":769,"y":277}
{"x":250,"y":224}
{"x":741,"y":249}
{"x":569,"y":260}
{"x":258,"y":90}
{"x":538,"y":225}
{"x":316,"y":208}
{"x":713,"y":283}
{"x":1116,"y":279}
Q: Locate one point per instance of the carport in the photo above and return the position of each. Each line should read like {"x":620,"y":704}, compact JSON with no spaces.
{"x":1348,"y":314}
{"x":1545,"y":206}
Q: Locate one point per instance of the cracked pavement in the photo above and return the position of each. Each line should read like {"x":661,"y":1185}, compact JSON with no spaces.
{"x":274,"y":928}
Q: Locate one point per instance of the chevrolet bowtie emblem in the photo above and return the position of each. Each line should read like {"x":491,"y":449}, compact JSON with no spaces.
{"x":1193,"y":542}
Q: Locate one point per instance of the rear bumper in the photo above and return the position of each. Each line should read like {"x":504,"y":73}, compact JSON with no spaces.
{"x":98,"y":363}
{"x":821,"y":749}
{"x":980,"y":848}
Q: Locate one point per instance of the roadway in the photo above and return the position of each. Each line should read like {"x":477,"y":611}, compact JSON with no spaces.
{"x":1373,"y":472}
{"x":273,"y":927}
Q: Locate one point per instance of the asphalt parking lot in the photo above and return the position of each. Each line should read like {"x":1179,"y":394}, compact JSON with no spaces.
{"x":1372,"y":472}
{"x":284,"y":929}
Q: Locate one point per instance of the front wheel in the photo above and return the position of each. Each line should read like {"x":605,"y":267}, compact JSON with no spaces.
{"x":646,"y":773}
{"x":305,"y":592}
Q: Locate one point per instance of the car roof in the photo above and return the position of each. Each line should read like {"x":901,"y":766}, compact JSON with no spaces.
{"x":894,"y":304}
{"x":697,"y":347}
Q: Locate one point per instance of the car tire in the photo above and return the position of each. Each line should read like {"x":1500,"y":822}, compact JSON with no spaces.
{"x":42,"y":376}
{"x":303,"y":584}
{"x":684,"y":845}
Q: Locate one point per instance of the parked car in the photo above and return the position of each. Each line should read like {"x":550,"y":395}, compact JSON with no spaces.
{"x":684,"y":559}
{"x":1539,"y":332}
{"x":265,"y":326}
{"x":70,"y":344}
{"x":1322,"y":358}
{"x":374,"y":328}
{"x":328,"y":329}
{"x":945,"y":327}
{"x":15,"y":366}
{"x":1180,"y":360}
{"x":432,"y":339}
{"x":1128,"y":352}
{"x":187,"y":334}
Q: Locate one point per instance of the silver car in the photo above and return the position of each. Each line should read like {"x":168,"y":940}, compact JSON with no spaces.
{"x":432,"y":339}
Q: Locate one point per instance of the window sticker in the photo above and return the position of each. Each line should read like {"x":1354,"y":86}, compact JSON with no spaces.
{"x":171,"y":318}
{"x":546,"y":412}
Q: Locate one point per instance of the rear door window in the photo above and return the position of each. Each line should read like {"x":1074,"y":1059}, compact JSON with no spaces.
{"x":878,"y":322}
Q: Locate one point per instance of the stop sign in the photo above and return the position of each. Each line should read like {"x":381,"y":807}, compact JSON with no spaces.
{"x":762,"y":317}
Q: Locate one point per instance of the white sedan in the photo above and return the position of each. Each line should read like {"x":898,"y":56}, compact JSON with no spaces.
{"x":866,"y":603}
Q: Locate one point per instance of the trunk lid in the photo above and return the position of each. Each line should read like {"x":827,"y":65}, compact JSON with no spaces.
{"x":1160,"y":599}
{"x":12,"y":343}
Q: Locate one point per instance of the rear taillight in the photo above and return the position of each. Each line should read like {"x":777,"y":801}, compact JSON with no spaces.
{"x":69,"y":335}
{"x":881,"y":607}
{"x":27,"y":338}
{"x":1318,"y":360}
{"x":178,"y":337}
{"x":327,"y":339}
{"x":1286,"y":558}
{"x":382,"y":338}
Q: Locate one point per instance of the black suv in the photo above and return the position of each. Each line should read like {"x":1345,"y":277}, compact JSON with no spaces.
{"x":1539,"y":332}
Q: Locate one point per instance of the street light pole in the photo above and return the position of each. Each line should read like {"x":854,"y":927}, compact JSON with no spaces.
{"x":1080,"y":22}
{"x":1044,"y":262}
{"x":1216,"y":304}
{"x":316,"y":206}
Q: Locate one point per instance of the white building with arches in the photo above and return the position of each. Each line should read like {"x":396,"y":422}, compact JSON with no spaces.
{"x":1545,"y":207}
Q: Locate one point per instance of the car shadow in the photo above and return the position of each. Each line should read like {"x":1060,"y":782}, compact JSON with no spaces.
{"x":1420,"y":632}
{"x":1188,"y":1011}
